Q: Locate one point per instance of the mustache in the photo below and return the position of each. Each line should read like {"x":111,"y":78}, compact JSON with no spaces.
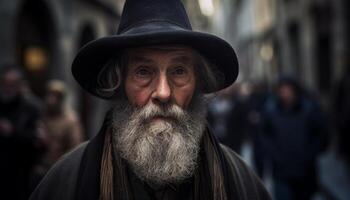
{"x":170,"y":112}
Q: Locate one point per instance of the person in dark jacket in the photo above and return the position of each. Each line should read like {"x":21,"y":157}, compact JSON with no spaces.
{"x":19,"y":117}
{"x":294,"y":134}
{"x":154,"y":143}
{"x":255,"y":104}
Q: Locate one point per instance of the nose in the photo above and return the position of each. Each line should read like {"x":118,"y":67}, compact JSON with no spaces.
{"x":162,"y":92}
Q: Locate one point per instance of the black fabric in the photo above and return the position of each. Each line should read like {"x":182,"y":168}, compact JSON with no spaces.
{"x":142,"y":191}
{"x":61,"y":181}
{"x":136,"y":11}
{"x":89,"y":173}
{"x":153,"y":22}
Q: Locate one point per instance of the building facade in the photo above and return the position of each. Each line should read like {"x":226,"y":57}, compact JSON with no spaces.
{"x":306,"y":39}
{"x":43,"y":36}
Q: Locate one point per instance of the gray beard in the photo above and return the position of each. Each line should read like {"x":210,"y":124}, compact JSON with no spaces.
{"x":163,"y":151}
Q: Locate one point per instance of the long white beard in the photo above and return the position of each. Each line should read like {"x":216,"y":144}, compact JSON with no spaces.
{"x":159,"y":151}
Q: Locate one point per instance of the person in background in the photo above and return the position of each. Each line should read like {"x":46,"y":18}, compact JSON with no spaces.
{"x":227,"y":117}
{"x":294,"y":132}
{"x":61,"y":124}
{"x":19,"y":142}
{"x":255,"y":104}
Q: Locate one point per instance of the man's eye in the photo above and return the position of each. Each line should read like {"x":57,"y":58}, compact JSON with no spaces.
{"x":143,"y":72}
{"x":179,"y":71}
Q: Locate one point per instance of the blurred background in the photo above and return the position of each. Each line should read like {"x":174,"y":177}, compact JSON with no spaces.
{"x":288,"y":115}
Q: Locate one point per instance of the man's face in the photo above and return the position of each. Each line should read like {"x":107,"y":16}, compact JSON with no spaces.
{"x":53,"y":101}
{"x":159,"y":127}
{"x":160,"y":76}
{"x":10,"y":85}
{"x":287,"y":94}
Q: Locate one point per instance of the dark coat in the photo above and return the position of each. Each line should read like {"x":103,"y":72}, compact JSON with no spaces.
{"x":76,"y":176}
{"x":293,"y":138}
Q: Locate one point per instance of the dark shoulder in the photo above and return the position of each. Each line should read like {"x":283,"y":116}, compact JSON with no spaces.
{"x":249,"y":184}
{"x":60,"y":180}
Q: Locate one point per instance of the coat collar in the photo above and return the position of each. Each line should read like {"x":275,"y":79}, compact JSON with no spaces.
{"x":88,"y":183}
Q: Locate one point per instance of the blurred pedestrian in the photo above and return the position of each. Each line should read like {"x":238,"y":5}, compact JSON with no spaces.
{"x":61,"y":123}
{"x":227,"y":117}
{"x":255,"y":105}
{"x":294,"y":134}
{"x":19,"y":117}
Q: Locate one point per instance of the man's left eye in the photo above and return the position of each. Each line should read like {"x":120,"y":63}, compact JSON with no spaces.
{"x":179,"y":71}
{"x":143,"y":72}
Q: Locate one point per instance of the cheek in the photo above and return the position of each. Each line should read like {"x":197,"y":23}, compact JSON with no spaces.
{"x":138,"y":96}
{"x":183,"y":95}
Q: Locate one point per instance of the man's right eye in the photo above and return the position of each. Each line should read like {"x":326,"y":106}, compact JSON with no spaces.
{"x":143,"y":72}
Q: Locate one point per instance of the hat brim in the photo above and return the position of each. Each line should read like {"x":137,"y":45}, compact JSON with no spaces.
{"x":93,"y":56}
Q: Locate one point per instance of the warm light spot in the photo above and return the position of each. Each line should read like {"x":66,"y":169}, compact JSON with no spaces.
{"x":35,"y":58}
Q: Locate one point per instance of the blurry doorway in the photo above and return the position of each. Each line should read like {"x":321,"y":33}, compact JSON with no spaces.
{"x":35,"y":40}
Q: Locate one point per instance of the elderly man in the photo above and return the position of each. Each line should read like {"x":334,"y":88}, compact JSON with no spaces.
{"x":154,"y":143}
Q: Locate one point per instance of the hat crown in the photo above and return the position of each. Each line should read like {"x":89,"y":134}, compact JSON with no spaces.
{"x":142,"y":11}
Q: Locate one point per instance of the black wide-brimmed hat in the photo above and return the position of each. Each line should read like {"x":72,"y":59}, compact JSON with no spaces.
{"x":153,"y":22}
